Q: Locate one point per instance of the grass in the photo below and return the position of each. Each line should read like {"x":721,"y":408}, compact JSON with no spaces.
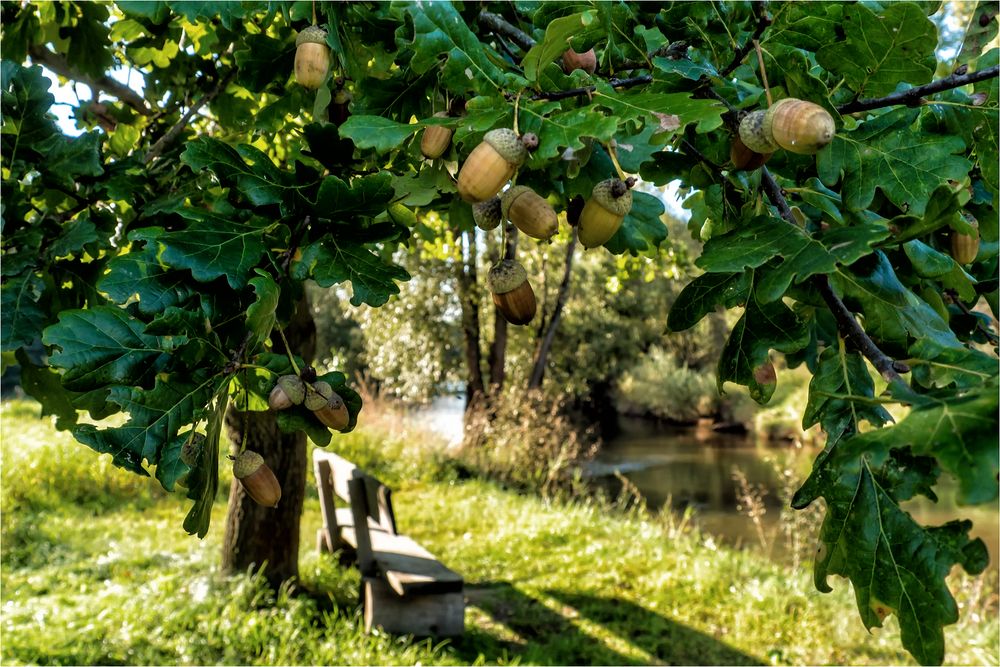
{"x":97,"y":570}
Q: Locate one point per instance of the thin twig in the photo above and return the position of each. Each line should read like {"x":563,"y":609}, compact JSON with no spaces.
{"x":953,"y":297}
{"x":498,"y":25}
{"x":174,"y":132}
{"x":846,"y":324}
{"x":913,"y":96}
{"x":235,"y":361}
{"x":587,"y":90}
{"x":61,"y":66}
{"x":763,"y":71}
{"x":762,"y":22}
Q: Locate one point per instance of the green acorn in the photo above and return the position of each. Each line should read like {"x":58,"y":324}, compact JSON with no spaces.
{"x":491,"y":164}
{"x":609,"y":203}
{"x":529,"y":212}
{"x":312,"y":57}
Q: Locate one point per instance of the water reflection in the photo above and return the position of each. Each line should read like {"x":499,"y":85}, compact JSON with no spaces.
{"x":695,"y":467}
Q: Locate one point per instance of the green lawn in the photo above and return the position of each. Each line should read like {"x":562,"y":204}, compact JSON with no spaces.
{"x":96,"y":569}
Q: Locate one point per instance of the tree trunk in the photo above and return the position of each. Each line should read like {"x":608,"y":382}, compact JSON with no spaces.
{"x":469,"y":299}
{"x":259,"y":536}
{"x":545,"y":343}
{"x":498,"y":349}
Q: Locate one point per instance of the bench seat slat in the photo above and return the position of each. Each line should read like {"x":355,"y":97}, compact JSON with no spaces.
{"x":409,"y":568}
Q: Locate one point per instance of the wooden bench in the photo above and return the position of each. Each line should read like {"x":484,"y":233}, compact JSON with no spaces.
{"x":404,"y":588}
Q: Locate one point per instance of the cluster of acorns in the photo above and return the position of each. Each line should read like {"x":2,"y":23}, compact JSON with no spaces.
{"x":490,"y":167}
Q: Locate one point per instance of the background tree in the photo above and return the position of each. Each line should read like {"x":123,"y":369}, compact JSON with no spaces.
{"x":161,"y":259}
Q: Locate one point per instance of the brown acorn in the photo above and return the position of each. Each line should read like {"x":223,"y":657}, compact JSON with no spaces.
{"x":312,"y":57}
{"x":609,"y":203}
{"x":289,"y":391}
{"x":258,"y":479}
{"x":435,"y":139}
{"x":799,"y":126}
{"x":488,"y":214}
{"x":512,"y":293}
{"x":334,"y":414}
{"x":965,"y":247}
{"x":490,"y":165}
{"x":743,"y":158}
{"x":587,"y":61}
{"x":529,"y":212}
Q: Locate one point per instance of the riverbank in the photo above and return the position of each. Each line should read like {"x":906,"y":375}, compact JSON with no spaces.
{"x":96,"y":569}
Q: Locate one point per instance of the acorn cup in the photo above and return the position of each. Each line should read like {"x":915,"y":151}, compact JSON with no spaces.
{"x":289,"y":391}
{"x":490,"y":165}
{"x":587,"y":61}
{"x":753,"y":135}
{"x":965,"y":247}
{"x":512,"y":293}
{"x":258,"y":479}
{"x":609,"y":203}
{"x":435,"y":139}
{"x":529,"y":212}
{"x":488,"y":214}
{"x":743,"y":158}
{"x":312,"y":57}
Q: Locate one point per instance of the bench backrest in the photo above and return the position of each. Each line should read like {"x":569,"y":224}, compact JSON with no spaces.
{"x":335,"y":473}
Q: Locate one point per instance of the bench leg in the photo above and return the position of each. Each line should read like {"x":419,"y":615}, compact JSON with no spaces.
{"x":434,"y":615}
{"x":322,"y":541}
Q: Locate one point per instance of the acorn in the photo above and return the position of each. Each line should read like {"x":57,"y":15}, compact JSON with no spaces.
{"x":289,"y":391}
{"x":587,"y":61}
{"x":435,"y":139}
{"x":192,"y":449}
{"x":743,"y":158}
{"x":529,"y":212}
{"x":258,"y":479}
{"x":334,"y":414}
{"x":609,"y":203}
{"x":490,"y":165}
{"x":512,"y":293}
{"x":799,"y":126}
{"x":312,"y":57}
{"x":965,"y":247}
{"x":318,"y":395}
{"x":488,"y":214}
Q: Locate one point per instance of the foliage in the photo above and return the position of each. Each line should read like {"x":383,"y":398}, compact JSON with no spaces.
{"x":156,"y":257}
{"x":646,"y":591}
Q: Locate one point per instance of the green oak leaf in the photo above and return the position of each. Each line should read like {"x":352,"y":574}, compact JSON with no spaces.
{"x":104,"y":345}
{"x":364,"y":196}
{"x":985,"y":132}
{"x":839,"y":378}
{"x":88,"y":47}
{"x":43,"y":383}
{"x":212,"y":247}
{"x":439,"y":30}
{"x":260,"y":59}
{"x":227,"y":12}
{"x":943,"y":209}
{"x":76,"y":234}
{"x":203,"y":480}
{"x":329,"y":261}
{"x":558,"y":35}
{"x":140,"y":274}
{"x":659,"y":107}
{"x":886,"y":153}
{"x":791,"y":69}
{"x":880,"y":51}
{"x":156,"y":11}
{"x":704,"y":294}
{"x":124,"y":443}
{"x":635,"y":150}
{"x":642,"y":229}
{"x":261,"y":181}
{"x":930,"y":263}
{"x":261,"y":313}
{"x":965,"y":368}
{"x":68,"y":159}
{"x":376,"y":132}
{"x":978,"y":35}
{"x":559,"y":131}
{"x":25,"y":106}
{"x":20,"y":313}
{"x":688,"y":68}
{"x":763,"y":327}
{"x":805,"y":26}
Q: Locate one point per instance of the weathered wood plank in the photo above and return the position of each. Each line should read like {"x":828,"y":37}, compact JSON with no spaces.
{"x":409,"y":568}
{"x":324,"y":485}
{"x":441,"y":615}
{"x":359,"y":509}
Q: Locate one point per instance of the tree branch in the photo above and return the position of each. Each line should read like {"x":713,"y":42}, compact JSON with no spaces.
{"x":497,"y":24}
{"x":846,"y":324}
{"x":587,"y":90}
{"x":174,"y":132}
{"x":913,"y":96}
{"x":61,"y":66}
{"x":542,"y":353}
{"x":762,"y":22}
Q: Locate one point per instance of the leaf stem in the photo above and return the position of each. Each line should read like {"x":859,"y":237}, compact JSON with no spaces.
{"x":288,"y":349}
{"x":914,"y":96}
{"x":613,"y":154}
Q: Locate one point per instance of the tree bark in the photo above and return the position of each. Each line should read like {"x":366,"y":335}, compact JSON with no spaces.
{"x":545,"y":343}
{"x":469,"y":298}
{"x":268,"y":537}
{"x":498,"y":348}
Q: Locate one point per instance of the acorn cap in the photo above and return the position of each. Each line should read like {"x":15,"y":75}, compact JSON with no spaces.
{"x":755,"y":135}
{"x":508,"y":197}
{"x":506,"y":276}
{"x":293,"y":387}
{"x":316,"y":400}
{"x":506,"y":142}
{"x":323,"y":389}
{"x":487,"y":214}
{"x":247,"y":464}
{"x":313,"y":34}
{"x":604,"y":194}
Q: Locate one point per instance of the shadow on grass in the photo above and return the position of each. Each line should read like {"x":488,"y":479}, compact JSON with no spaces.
{"x":538,"y":634}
